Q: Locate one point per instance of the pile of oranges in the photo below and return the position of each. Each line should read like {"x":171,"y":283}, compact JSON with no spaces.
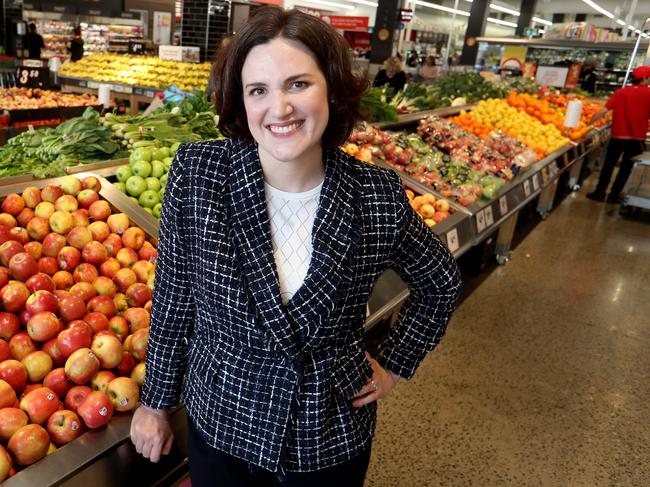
{"x":472,"y":125}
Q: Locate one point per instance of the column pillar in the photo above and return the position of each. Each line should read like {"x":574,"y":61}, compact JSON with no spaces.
{"x":381,"y":43}
{"x":195,"y":30}
{"x":526,"y":12}
{"x":475,"y":28}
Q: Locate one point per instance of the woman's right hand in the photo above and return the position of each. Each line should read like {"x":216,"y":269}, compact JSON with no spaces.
{"x":151,"y":433}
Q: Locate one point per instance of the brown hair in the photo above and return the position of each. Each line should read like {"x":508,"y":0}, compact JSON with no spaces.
{"x":330,"y":49}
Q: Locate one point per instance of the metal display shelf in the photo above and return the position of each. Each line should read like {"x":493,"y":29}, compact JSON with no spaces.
{"x":79,"y":170}
{"x":407,"y":119}
{"x":564,"y":43}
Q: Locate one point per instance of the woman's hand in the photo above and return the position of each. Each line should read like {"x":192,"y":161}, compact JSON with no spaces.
{"x":378,"y":387}
{"x":151,"y":433}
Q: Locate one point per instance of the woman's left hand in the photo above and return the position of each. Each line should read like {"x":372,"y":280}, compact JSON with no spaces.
{"x":378,"y":387}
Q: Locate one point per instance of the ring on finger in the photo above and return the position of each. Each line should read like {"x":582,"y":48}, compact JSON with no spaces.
{"x":374,"y":384}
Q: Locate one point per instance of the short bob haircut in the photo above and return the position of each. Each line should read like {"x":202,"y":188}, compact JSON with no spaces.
{"x":345,"y":88}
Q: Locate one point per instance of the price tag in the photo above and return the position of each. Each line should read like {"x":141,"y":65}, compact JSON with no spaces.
{"x":30,"y":128}
{"x":480,"y":221}
{"x":452,"y":240}
{"x":503,"y":205}
{"x":489,"y":216}
{"x":527,"y":188}
{"x":136,"y":47}
{"x":535,"y":182}
{"x":33,"y":77}
{"x":93,"y":84}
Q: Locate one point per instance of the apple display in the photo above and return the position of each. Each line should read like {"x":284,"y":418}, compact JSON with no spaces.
{"x":29,"y":444}
{"x":81,"y":366}
{"x":39,"y":404}
{"x":11,"y":420}
{"x":64,"y":426}
{"x":96,"y":410}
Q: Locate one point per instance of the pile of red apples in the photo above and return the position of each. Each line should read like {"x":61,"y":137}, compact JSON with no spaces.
{"x":76,"y":283}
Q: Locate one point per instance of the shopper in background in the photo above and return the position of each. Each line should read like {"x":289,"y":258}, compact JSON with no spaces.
{"x":270,"y":243}
{"x":631,"y":112}
{"x":76,"y":48}
{"x":392,"y":75}
{"x":428,"y":71}
{"x":588,"y":77}
{"x":33,"y":42}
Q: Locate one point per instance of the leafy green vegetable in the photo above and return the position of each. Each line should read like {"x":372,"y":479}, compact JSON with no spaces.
{"x":374,"y":107}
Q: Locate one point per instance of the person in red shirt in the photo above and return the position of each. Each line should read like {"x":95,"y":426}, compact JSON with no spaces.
{"x":631,"y":112}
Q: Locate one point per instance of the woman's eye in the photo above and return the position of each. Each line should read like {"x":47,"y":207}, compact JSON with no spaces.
{"x":256,"y":92}
{"x":299,"y":84}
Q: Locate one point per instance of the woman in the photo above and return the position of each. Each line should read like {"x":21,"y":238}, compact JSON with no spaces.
{"x":392,"y":75}
{"x":428,"y":71}
{"x":76,"y":48}
{"x":269,"y":246}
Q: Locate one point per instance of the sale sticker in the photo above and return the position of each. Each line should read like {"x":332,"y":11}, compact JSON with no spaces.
{"x":480,"y":221}
{"x":503,"y":205}
{"x":527,"y":188}
{"x":489,"y":217}
{"x":452,"y":240}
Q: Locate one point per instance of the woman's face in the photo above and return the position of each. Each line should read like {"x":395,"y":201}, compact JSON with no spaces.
{"x":285,"y":96}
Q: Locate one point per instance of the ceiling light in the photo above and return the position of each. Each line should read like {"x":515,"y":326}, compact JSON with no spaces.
{"x":330,"y":4}
{"x":440,"y":7}
{"x":501,"y":22}
{"x":365,"y":2}
{"x":542,"y":21}
{"x":598,"y":8}
{"x":503,"y":9}
{"x":620,"y":22}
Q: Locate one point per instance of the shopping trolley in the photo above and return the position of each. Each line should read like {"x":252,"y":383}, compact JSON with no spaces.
{"x":636,"y":193}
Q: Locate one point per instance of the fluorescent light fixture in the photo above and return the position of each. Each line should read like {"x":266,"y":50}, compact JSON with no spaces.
{"x":501,"y":22}
{"x":503,"y":9}
{"x":330,"y":4}
{"x":543,"y":21}
{"x":598,"y":8}
{"x":440,"y":7}
{"x":620,"y":22}
{"x":365,"y":2}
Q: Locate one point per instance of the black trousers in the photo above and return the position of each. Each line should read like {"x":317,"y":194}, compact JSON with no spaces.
{"x":617,"y":147}
{"x":210,"y":467}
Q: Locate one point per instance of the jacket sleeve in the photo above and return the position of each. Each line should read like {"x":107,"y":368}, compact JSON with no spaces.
{"x":433,"y":278}
{"x":173,"y":307}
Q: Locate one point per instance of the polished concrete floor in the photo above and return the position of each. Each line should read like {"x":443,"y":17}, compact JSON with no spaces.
{"x":543,"y":377}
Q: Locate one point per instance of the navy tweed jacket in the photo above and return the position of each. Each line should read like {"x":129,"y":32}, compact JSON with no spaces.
{"x":268,"y":383}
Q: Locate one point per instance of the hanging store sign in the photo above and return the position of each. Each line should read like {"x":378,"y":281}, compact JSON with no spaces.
{"x":162,"y":28}
{"x":342,"y":22}
{"x":405,"y":15}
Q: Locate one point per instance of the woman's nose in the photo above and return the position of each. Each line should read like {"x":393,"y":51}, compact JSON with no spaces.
{"x":282,"y":106}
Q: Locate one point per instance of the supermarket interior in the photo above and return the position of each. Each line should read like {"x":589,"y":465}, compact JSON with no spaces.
{"x":518,"y":129}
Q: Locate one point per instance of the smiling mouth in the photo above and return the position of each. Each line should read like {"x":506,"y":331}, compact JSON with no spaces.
{"x":285,"y":128}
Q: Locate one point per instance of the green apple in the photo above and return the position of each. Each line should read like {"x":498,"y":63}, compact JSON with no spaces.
{"x":159,"y":154}
{"x":167,"y":161}
{"x":166,"y":151}
{"x":141,"y":168}
{"x":123,"y":173}
{"x":135,"y":200}
{"x":153,"y":183}
{"x":135,"y":185}
{"x":148,"y":210}
{"x":156,"y":210}
{"x":157,"y":168}
{"x":163,"y":180}
{"x":120,"y":185}
{"x":141,"y":154}
{"x":149,"y":198}
{"x":174,"y":148}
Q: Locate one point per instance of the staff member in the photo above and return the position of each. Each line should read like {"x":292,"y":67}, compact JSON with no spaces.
{"x":392,"y":75}
{"x":33,"y":42}
{"x":269,"y":246}
{"x":631,"y":111}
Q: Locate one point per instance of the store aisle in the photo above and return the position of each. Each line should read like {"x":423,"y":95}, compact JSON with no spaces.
{"x":542,"y":378}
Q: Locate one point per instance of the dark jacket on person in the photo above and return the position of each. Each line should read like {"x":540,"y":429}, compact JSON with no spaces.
{"x":588,"y":81}
{"x":76,"y":49}
{"x":33,"y":42}
{"x":269,"y":383}
{"x":397,"y":82}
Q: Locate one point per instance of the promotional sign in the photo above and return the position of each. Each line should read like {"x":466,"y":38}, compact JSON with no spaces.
{"x":136,"y":47}
{"x":33,"y":77}
{"x":573,"y":76}
{"x":514,"y":57}
{"x":551,"y":76}
{"x":341,"y":22}
{"x":405,"y":14}
{"x":188,"y":54}
{"x":162,"y":27}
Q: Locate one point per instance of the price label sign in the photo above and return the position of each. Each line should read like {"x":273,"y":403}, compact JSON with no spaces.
{"x":480,"y":221}
{"x":33,"y":77}
{"x":503,"y":205}
{"x":136,"y":47}
{"x":489,"y":216}
{"x":535,"y":182}
{"x":527,"y":188}
{"x":452,"y":240}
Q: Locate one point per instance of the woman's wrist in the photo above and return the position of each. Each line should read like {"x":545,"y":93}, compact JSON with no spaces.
{"x":158,"y":412}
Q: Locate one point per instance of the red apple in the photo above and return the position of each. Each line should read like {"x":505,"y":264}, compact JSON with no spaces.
{"x":31,"y":196}
{"x":48,"y":265}
{"x":94,"y":253}
{"x":113,"y":244}
{"x":138,"y":374}
{"x":7,"y":221}
{"x":124,"y":278}
{"x":13,"y":204}
{"x":39,"y":404}
{"x":148,"y":252}
{"x":24,"y":316}
{"x":80,"y":218}
{"x":100,"y":230}
{"x":51,"y":193}
{"x":19,"y":234}
{"x":41,"y":300}
{"x":62,"y":280}
{"x":4,"y":277}
{"x":5,"y":351}
{"x":109,"y":267}
{"x":79,"y":236}
{"x":91,"y":182}
{"x":84,"y":290}
{"x":138,"y":294}
{"x":87,"y":197}
{"x":120,"y":303}
{"x":6,"y":465}
{"x":29,"y":444}
{"x":71,"y":185}
{"x":139,"y":344}
{"x":52,"y":244}
{"x":64,"y":426}
{"x":51,"y":348}
{"x":108,"y":350}
{"x":68,"y":258}
{"x":126,"y":257}
{"x":45,"y":210}
{"x":85,"y":272}
{"x":143,"y":269}
{"x":14,"y":296}
{"x":9,"y":325}
{"x":61,"y":222}
{"x":40,"y":282}
{"x":22,"y":266}
{"x":24,"y":216}
{"x":96,"y":410}
{"x":73,"y":338}
{"x":13,"y":372}
{"x":102,"y":304}
{"x":104,"y":286}
{"x":83,"y":325}
{"x":37,"y":364}
{"x":35,"y":249}
{"x":81,"y":366}
{"x":44,"y":326}
{"x":11,"y":420}
{"x":101,"y":380}
{"x":7,"y":394}
{"x":58,"y":382}
{"x":97,"y":321}
{"x":8,"y":250}
{"x":126,"y":365}
{"x":72,"y":308}
{"x":124,"y":393}
{"x":118,"y":222}
{"x":134,"y":238}
{"x":76,"y":396}
{"x":99,"y":210}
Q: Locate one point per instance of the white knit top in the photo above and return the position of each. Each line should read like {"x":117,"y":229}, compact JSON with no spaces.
{"x":292,"y":218}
